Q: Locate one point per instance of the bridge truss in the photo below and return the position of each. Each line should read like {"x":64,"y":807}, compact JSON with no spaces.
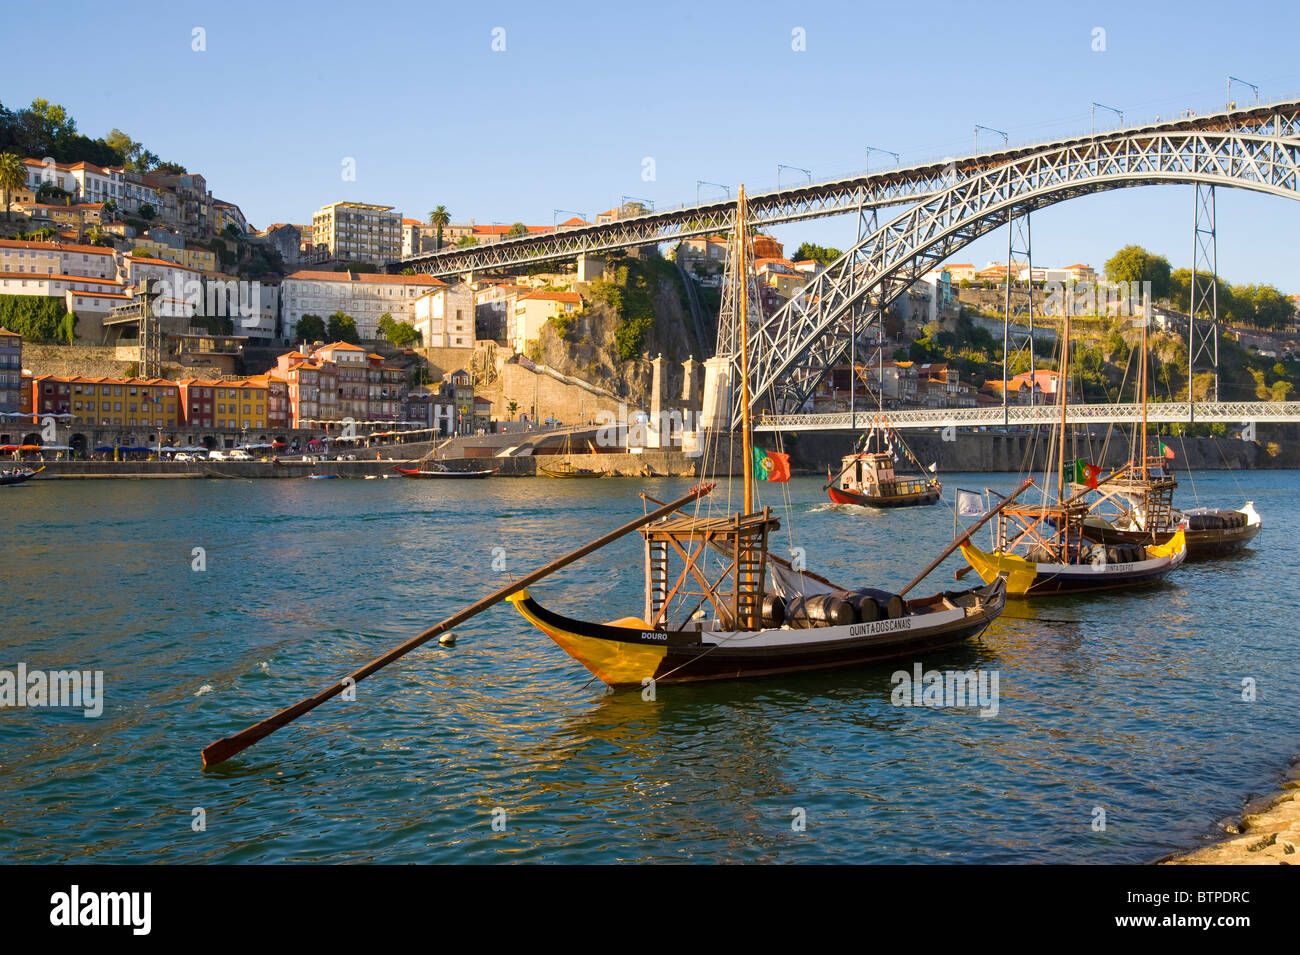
{"x":1228,"y":412}
{"x":798,"y":345}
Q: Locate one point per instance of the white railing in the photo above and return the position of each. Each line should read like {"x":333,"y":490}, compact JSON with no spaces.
{"x":1232,"y":412}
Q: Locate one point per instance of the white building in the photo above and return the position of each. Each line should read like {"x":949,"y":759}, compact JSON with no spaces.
{"x":57,"y":258}
{"x":364,"y":296}
{"x":85,"y":181}
{"x":444,"y":317}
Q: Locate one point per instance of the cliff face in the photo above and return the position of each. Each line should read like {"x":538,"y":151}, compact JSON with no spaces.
{"x":637,"y":313}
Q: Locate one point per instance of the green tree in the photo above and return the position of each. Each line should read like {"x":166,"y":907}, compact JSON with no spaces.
{"x":147,"y":212}
{"x":311,"y":328}
{"x":439,"y":217}
{"x":13,"y":175}
{"x":822,"y":255}
{"x":466,"y":240}
{"x":516,"y":230}
{"x":343,"y":328}
{"x":1135,"y":264}
{"x":123,"y":144}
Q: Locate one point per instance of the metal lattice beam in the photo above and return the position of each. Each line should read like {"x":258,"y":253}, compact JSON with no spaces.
{"x":816,"y":200}
{"x":807,"y":337}
{"x":1203,"y":342}
{"x":1231,"y":412}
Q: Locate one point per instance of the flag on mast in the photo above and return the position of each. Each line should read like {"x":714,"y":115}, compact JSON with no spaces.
{"x":770,"y":466}
{"x":969,"y":504}
{"x":1085,"y":473}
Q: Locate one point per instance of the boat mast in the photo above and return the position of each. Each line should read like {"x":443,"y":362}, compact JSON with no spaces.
{"x":1063,"y":383}
{"x":1142,"y":445}
{"x":742,"y":267}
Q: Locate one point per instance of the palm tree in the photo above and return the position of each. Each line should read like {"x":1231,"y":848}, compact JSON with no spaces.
{"x":12,"y":176}
{"x":439,"y":217}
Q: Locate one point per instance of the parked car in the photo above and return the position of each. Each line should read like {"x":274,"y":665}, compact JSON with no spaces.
{"x":218,"y":456}
{"x":240,"y":455}
{"x":188,"y":456}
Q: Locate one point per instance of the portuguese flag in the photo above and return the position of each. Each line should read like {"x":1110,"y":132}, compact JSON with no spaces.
{"x":1167,"y":451}
{"x":1085,"y":473}
{"x":770,"y":466}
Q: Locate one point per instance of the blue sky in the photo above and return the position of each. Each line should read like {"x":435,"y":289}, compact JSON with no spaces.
{"x":584,"y":92}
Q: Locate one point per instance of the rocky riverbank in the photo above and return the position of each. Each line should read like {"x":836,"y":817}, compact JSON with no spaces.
{"x":1267,"y":833}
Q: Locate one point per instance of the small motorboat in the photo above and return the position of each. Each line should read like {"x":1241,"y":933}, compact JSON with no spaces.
{"x":18,"y":475}
{"x":867,"y":477}
{"x":323,"y":477}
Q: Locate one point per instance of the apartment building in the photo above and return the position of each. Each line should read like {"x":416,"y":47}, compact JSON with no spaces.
{"x":11,"y":371}
{"x":85,"y":181}
{"x":444,"y":317}
{"x":96,"y":402}
{"x":363,"y":295}
{"x":535,"y":309}
{"x":357,"y":232}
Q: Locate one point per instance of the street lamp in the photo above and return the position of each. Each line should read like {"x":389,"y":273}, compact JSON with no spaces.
{"x":646,"y":203}
{"x":781,"y":165}
{"x":988,"y":129}
{"x":877,"y":149}
{"x":1237,"y":79}
{"x":705,"y":182}
{"x":555,"y":215}
{"x":1117,"y":112}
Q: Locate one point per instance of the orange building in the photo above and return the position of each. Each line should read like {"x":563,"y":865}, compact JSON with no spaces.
{"x":127,"y":402}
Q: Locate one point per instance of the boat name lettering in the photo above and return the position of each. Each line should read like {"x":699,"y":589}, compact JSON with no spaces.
{"x":654,"y":637}
{"x":879,"y":626}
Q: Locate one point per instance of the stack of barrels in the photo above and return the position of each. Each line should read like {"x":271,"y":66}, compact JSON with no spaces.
{"x":865,"y":605}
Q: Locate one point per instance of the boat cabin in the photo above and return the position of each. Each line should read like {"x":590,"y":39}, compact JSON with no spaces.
{"x":871,"y":473}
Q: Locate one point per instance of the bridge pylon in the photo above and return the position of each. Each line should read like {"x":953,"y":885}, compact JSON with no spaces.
{"x":1203,"y":342}
{"x":1019,"y":304}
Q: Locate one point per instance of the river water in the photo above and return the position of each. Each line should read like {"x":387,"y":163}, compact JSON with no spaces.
{"x":1128,"y":704}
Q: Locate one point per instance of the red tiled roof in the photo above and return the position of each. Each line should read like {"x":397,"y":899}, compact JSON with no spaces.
{"x":53,"y":247}
{"x":553,"y":297}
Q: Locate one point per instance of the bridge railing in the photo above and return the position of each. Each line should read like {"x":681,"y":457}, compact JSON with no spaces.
{"x":1233,"y":412}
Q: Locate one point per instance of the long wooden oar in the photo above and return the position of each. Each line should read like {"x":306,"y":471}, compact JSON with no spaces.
{"x":964,"y":536}
{"x":224,"y":748}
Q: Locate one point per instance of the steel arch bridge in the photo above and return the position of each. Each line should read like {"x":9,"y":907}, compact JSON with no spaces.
{"x":792,"y":350}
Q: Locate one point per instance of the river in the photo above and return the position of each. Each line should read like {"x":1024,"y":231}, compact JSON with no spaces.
{"x":1129,"y":703}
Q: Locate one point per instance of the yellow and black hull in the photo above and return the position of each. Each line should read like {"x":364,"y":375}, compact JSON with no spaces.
{"x":629,"y":653}
{"x":1026,"y":578}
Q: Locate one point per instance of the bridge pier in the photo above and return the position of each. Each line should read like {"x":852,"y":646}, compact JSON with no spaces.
{"x":590,"y":267}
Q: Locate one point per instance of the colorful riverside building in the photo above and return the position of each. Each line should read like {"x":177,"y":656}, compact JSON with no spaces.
{"x":312,"y":387}
{"x":339,"y":381}
{"x":11,"y":371}
{"x":100,"y":402}
{"x":240,"y":404}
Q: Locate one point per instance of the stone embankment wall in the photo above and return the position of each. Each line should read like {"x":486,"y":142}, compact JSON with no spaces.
{"x":97,"y":361}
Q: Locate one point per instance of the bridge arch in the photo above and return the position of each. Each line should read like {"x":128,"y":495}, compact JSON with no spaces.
{"x":795,"y":348}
